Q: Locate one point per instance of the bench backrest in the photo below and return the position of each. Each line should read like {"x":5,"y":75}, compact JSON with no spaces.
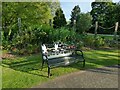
{"x":44,"y":49}
{"x":56,"y":46}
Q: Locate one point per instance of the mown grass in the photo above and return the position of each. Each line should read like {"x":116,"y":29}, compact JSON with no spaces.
{"x":0,"y":76}
{"x":107,"y":37}
{"x":25,"y":72}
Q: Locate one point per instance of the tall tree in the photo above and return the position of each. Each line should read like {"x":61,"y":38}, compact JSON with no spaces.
{"x":74,"y":14}
{"x":110,"y":18}
{"x":97,"y":12}
{"x":117,"y":10}
{"x":54,"y":5}
{"x":59,"y":19}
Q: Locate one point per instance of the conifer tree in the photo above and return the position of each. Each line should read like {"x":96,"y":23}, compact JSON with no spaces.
{"x":74,"y":15}
{"x":59,"y":19}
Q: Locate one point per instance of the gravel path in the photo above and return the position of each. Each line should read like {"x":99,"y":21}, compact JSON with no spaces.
{"x":106,"y":77}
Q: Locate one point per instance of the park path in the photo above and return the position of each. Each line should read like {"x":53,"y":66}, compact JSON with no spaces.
{"x":105,"y":77}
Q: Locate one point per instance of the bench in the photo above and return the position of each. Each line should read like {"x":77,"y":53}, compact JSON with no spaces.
{"x":61,"y":58}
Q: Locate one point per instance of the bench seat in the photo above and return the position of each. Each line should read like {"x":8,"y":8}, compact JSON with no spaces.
{"x":63,"y":61}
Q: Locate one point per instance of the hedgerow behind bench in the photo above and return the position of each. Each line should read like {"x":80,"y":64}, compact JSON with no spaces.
{"x":60,"y":56}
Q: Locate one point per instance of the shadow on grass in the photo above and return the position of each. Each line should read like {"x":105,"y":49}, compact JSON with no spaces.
{"x":98,"y":60}
{"x":32,"y":64}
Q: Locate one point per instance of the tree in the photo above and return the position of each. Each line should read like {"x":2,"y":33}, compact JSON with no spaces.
{"x":110,"y":12}
{"x":104,"y":13}
{"x":59,"y":19}
{"x":54,"y":5}
{"x":31,"y":14}
{"x":34,"y":16}
{"x":117,"y":10}
{"x":84,"y":22}
{"x":74,"y":14}
{"x":98,"y":11}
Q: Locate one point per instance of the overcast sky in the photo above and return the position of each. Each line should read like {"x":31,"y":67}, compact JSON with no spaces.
{"x":68,"y":5}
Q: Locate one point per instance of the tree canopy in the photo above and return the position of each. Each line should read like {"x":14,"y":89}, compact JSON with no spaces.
{"x":84,"y":22}
{"x":106,"y":13}
{"x":74,"y":14}
{"x":117,"y":10}
{"x":30,"y":13}
{"x":59,"y":19}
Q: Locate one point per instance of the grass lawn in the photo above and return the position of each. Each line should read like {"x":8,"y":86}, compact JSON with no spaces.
{"x":24,"y":72}
{"x":106,"y":36}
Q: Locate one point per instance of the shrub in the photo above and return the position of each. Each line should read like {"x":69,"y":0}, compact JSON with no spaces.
{"x":28,"y":41}
{"x":99,"y":41}
{"x":5,"y":43}
{"x":112,"y":43}
{"x":83,"y":23}
{"x":80,"y":44}
{"x":88,"y":41}
{"x":62,"y":34}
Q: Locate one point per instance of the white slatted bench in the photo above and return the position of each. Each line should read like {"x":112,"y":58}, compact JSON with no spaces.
{"x":61,"y":59}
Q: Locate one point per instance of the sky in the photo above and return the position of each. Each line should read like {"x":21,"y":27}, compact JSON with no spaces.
{"x":68,"y":5}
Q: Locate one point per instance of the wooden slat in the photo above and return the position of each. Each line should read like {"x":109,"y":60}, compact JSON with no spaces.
{"x":59,"y":55}
{"x":64,"y":61}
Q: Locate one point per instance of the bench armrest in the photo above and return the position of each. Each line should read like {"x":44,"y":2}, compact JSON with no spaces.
{"x":44,"y":56}
{"x":79,"y":50}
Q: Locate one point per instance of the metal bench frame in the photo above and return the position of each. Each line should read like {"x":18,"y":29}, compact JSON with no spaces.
{"x":46,"y":59}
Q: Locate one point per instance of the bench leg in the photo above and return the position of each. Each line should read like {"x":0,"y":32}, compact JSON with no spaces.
{"x":84,"y":63}
{"x":42,"y":64}
{"x":48,"y":71}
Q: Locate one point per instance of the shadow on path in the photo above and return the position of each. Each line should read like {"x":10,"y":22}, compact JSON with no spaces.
{"x":106,"y":70}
